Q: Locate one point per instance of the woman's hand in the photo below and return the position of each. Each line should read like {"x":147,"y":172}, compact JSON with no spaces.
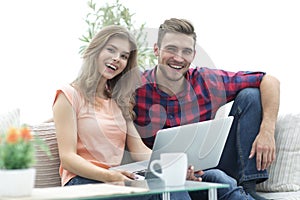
{"x":119,"y":175}
{"x":190,"y":175}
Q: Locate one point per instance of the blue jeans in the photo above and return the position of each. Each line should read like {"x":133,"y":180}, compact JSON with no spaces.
{"x":247,"y":112}
{"x":233,"y":192}
{"x":78,"y":180}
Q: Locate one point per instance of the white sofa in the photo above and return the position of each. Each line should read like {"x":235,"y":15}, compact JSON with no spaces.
{"x":283,"y":184}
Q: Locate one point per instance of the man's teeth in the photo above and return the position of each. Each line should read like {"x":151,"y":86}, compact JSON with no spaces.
{"x":111,"y":66}
{"x":176,"y":66}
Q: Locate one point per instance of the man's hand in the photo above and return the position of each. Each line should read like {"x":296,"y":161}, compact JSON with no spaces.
{"x":191,"y":174}
{"x":265,"y":150}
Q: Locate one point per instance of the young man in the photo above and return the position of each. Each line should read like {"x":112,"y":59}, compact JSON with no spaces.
{"x":173,"y":94}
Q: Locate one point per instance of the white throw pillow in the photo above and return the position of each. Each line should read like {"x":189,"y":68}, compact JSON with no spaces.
{"x":284,"y":173}
{"x":9,"y":119}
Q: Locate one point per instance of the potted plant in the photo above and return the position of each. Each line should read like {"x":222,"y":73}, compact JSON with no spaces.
{"x":118,"y":14}
{"x":17,"y":156}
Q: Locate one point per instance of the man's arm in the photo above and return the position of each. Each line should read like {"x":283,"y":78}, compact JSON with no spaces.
{"x":264,"y":144}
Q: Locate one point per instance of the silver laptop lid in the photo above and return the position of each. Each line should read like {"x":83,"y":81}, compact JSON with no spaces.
{"x":203,"y":142}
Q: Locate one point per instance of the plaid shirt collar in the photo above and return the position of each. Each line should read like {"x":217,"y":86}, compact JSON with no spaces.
{"x":152,"y":80}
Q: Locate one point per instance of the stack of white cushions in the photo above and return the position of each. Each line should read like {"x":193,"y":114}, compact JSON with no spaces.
{"x":47,"y":174}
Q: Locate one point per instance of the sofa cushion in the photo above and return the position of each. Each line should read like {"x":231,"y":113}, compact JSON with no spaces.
{"x":284,"y":173}
{"x":47,"y":168}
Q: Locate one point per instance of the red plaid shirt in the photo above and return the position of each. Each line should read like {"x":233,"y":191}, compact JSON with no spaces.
{"x":206,"y":90}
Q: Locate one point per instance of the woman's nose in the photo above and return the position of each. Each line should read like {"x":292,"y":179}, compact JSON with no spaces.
{"x":116,"y":56}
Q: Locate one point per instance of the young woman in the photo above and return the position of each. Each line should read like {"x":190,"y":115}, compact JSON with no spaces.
{"x":93,"y":115}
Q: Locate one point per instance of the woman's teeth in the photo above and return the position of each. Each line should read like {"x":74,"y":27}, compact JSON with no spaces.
{"x":111,"y":66}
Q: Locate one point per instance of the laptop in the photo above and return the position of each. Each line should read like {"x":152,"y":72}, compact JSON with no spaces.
{"x":203,"y":142}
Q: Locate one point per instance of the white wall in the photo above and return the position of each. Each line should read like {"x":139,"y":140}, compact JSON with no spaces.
{"x":39,"y":52}
{"x":39,"y":43}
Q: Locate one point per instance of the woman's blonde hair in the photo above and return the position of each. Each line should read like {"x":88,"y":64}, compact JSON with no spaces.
{"x":122,"y":87}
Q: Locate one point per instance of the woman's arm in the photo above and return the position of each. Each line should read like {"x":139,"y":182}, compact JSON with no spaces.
{"x":138,"y":150}
{"x":66,"y":133}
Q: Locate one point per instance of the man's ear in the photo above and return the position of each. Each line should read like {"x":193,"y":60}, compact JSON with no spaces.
{"x":156,"y":49}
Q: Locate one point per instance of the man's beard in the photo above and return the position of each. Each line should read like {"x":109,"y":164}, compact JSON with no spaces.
{"x":169,"y":76}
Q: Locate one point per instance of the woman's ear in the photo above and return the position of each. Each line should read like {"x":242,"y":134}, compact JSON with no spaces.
{"x":156,"y":49}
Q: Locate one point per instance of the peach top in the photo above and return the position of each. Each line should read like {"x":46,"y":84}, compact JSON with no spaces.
{"x":101,"y":131}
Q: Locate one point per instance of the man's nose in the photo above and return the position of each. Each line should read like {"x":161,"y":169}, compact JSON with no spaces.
{"x":178,"y":57}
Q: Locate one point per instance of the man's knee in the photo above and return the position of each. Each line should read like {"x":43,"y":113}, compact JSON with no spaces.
{"x":248,"y":98}
{"x":252,"y":94}
{"x":218,"y":176}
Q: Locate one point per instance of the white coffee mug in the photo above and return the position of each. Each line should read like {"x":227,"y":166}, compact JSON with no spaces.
{"x":173,"y":168}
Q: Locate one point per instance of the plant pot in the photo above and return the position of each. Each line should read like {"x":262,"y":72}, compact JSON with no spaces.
{"x":17,"y":182}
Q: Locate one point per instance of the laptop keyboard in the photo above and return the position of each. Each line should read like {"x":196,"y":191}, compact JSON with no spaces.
{"x":141,"y":172}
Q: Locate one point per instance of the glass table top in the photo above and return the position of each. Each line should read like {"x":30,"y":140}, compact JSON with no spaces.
{"x":116,"y":189}
{"x":157,"y":186}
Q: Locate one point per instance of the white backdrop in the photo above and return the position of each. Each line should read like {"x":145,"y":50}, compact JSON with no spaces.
{"x":39,"y":43}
